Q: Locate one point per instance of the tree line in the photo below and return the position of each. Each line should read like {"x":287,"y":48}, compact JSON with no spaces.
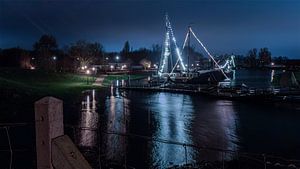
{"x":46,"y":55}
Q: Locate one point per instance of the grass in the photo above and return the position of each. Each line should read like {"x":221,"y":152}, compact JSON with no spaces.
{"x":38,"y":83}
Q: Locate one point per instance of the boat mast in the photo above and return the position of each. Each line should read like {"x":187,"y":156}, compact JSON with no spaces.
{"x":188,"y":49}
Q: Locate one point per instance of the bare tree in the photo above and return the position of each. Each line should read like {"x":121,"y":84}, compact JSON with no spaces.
{"x":86,"y":53}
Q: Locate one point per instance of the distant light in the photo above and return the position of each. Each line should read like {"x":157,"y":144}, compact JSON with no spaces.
{"x":85,"y":67}
{"x":106,"y":58}
{"x":192,"y":64}
{"x":77,"y":58}
{"x":123,"y":67}
{"x":178,"y":66}
{"x":88,"y":72}
{"x":272,"y":63}
{"x":117,"y":57}
{"x":186,"y":65}
{"x":93,"y":69}
{"x":197,"y":64}
{"x":149,"y":66}
{"x":82,"y":68}
{"x":54,"y":58}
{"x":111,"y":66}
{"x":32,"y":67}
{"x":32,"y":58}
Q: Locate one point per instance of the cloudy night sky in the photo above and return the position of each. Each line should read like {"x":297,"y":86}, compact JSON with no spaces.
{"x":224,"y":26}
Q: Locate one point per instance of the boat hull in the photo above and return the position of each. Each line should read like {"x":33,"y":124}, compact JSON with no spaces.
{"x":204,"y":77}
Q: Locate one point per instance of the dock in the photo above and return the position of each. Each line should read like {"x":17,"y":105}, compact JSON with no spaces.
{"x":236,"y":92}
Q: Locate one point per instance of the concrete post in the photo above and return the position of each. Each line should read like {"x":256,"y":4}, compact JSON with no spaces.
{"x":48,"y":125}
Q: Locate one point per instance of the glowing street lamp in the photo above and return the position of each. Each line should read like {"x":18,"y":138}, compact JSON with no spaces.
{"x":117,"y":57}
{"x":111,"y":67}
{"x":87,"y":77}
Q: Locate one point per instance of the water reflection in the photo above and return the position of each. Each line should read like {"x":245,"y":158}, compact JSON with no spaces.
{"x":173,"y":113}
{"x":174,"y":117}
{"x":117,"y":119}
{"x":191,"y":119}
{"x":88,"y":122}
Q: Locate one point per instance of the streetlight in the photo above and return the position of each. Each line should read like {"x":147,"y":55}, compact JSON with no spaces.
{"x":117,"y":58}
{"x":87,"y":72}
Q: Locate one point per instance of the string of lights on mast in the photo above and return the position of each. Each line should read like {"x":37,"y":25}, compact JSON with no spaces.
{"x":167,"y":50}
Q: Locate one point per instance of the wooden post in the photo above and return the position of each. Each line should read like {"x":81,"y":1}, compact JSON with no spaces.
{"x":65,"y":155}
{"x":48,"y":125}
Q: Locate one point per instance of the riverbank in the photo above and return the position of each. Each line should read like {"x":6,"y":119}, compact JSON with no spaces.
{"x":39,"y":83}
{"x":19,"y":89}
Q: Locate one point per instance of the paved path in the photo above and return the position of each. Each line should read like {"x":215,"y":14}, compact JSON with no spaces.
{"x":99,"y":80}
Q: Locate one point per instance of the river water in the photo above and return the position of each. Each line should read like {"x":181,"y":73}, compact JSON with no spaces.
{"x":149,"y":129}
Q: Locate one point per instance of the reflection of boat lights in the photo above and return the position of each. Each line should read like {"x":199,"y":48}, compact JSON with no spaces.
{"x":117,"y":83}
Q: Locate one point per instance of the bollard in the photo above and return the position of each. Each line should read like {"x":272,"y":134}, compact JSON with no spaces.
{"x":48,"y":125}
{"x":53,"y":148}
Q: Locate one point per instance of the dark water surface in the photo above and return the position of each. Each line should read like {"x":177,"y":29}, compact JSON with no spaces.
{"x":149,"y":129}
{"x":155,"y":124}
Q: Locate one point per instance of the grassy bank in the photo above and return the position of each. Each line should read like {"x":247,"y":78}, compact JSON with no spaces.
{"x":40,"y":83}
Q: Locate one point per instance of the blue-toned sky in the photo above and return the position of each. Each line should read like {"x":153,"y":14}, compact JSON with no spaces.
{"x":224,"y":26}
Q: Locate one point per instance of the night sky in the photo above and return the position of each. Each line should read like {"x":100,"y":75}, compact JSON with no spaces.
{"x":223,"y":26}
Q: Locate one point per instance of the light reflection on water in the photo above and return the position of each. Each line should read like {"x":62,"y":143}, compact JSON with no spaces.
{"x":116,"y":108}
{"x":88,"y":122}
{"x":171,"y":117}
{"x":180,"y":118}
